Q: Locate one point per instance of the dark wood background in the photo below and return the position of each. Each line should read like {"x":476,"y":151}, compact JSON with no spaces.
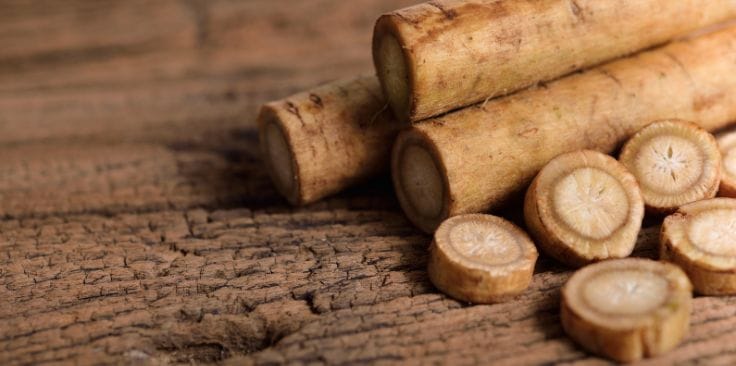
{"x":138,"y":225}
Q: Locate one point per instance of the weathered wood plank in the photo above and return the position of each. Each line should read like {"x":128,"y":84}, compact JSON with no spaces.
{"x":162,"y":282}
{"x":430,"y":329}
{"x":190,"y":283}
{"x":59,"y":179}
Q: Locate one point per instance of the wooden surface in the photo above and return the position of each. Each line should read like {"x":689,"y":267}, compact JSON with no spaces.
{"x":138,"y":225}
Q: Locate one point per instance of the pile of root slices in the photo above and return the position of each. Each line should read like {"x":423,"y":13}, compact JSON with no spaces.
{"x":585,"y":209}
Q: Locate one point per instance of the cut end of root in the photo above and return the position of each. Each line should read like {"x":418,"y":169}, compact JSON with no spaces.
{"x":727,"y":144}
{"x":420,"y":185}
{"x":701,"y":238}
{"x":675,"y":162}
{"x":627,"y":309}
{"x":482,"y":241}
{"x":394,"y":75}
{"x":279,"y":160}
{"x":591,"y":201}
{"x":714,"y":232}
{"x":481,"y":258}
{"x":583,"y":207}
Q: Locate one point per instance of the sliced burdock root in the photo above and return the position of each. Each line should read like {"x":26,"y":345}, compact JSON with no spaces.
{"x":727,"y":143}
{"x":584,"y":207}
{"x":627,"y":309}
{"x":481,"y":259}
{"x":675,"y":162}
{"x":701,"y":238}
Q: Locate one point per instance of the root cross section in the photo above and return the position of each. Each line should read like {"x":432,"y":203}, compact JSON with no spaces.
{"x":729,"y":161}
{"x":479,"y":243}
{"x":715,"y":232}
{"x":675,"y":162}
{"x":591,"y":202}
{"x":625,"y":292}
{"x":669,"y":164}
{"x":279,"y":156}
{"x":583,"y":207}
{"x":422,"y":181}
{"x":419,"y":185}
{"x":701,"y":238}
{"x":391,"y":68}
{"x":727,"y":145}
{"x":481,"y":259}
{"x":627,"y":309}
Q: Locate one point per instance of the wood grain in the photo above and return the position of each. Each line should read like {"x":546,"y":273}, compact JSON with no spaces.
{"x":137,"y":225}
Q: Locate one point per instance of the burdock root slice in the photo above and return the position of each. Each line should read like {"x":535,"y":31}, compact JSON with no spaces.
{"x":584,"y":207}
{"x":323,"y":140}
{"x":675,"y":163}
{"x":481,"y":259}
{"x":701,"y":238}
{"x":727,"y":144}
{"x":627,"y":309}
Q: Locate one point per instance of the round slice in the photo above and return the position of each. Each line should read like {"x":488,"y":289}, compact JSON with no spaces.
{"x":675,"y":162}
{"x":701,"y":238}
{"x":727,"y":144}
{"x":627,"y":309}
{"x":481,"y":259}
{"x":584,"y":207}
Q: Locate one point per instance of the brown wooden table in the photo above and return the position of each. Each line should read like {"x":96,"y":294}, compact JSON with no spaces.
{"x":138,"y":225}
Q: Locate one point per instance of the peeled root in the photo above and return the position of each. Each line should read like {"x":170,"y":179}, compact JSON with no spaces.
{"x":627,"y":309}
